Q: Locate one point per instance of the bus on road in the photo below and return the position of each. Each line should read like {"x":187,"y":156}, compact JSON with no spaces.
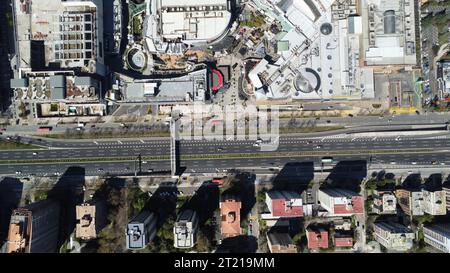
{"x":327,"y":160}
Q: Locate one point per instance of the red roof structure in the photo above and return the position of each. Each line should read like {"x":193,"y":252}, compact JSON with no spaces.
{"x":285,"y":204}
{"x":317,"y":238}
{"x":357,"y":206}
{"x":230,"y":212}
{"x":217,"y":75}
{"x":346,"y":241}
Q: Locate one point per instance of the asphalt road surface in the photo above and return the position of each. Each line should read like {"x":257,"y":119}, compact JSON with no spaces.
{"x":440,"y":154}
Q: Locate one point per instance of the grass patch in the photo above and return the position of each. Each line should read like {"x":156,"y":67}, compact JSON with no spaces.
{"x":106,"y":135}
{"x":13,"y":145}
{"x":291,"y":130}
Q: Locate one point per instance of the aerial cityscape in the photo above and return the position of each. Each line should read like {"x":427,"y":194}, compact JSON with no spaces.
{"x":225,"y":126}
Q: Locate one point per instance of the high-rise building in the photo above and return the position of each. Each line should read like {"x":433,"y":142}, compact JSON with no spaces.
{"x":438,"y":236}
{"x":185,"y":229}
{"x":340,"y":202}
{"x":141,"y":230}
{"x":446,"y":189}
{"x":34,"y":228}
{"x":91,"y":218}
{"x":434,"y":202}
{"x":410,"y":201}
{"x":230,"y":215}
{"x":384,"y":202}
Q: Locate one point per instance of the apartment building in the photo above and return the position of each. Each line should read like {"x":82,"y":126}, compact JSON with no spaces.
{"x":280,"y":243}
{"x":317,"y":237}
{"x":91,"y":218}
{"x":384,"y":202}
{"x":34,"y":228}
{"x":434,"y":202}
{"x":340,"y":202}
{"x":393,"y":236}
{"x":410,"y":201}
{"x":284,"y":204}
{"x":185,"y":229}
{"x":230,"y":215}
{"x":438,"y":236}
{"x":141,"y":230}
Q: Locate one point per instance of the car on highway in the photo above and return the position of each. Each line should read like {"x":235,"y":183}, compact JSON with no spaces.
{"x":219,"y":149}
{"x":18,"y":172}
{"x":350,"y":115}
{"x":150,"y":170}
{"x":319,"y":147}
{"x":434,"y":162}
{"x":442,"y":163}
{"x":256,"y":145}
{"x":414,"y":163}
{"x":393,"y":162}
{"x":35,"y":153}
{"x":57,"y":173}
{"x":100,"y":170}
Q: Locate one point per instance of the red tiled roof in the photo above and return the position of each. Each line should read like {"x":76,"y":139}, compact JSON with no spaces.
{"x":343,"y":241}
{"x":357,"y":206}
{"x":281,"y":208}
{"x":317,"y":239}
{"x":230,"y":211}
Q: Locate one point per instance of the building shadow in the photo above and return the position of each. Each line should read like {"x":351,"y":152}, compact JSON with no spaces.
{"x":243,"y":187}
{"x":348,"y":175}
{"x":294,"y":176}
{"x":10,"y":196}
{"x":412,"y":181}
{"x":163,"y":202}
{"x":238,"y":244}
{"x":69,"y":192}
{"x":205,"y":201}
{"x":434,"y":182}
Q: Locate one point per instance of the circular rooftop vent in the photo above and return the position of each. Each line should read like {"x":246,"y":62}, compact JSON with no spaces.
{"x":326,"y":28}
{"x":137,"y":59}
{"x":307,"y":81}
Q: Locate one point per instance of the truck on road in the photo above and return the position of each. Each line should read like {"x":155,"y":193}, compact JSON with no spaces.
{"x":45,"y":129}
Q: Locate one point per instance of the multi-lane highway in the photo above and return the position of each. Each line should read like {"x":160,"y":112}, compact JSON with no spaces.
{"x":118,"y":157}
